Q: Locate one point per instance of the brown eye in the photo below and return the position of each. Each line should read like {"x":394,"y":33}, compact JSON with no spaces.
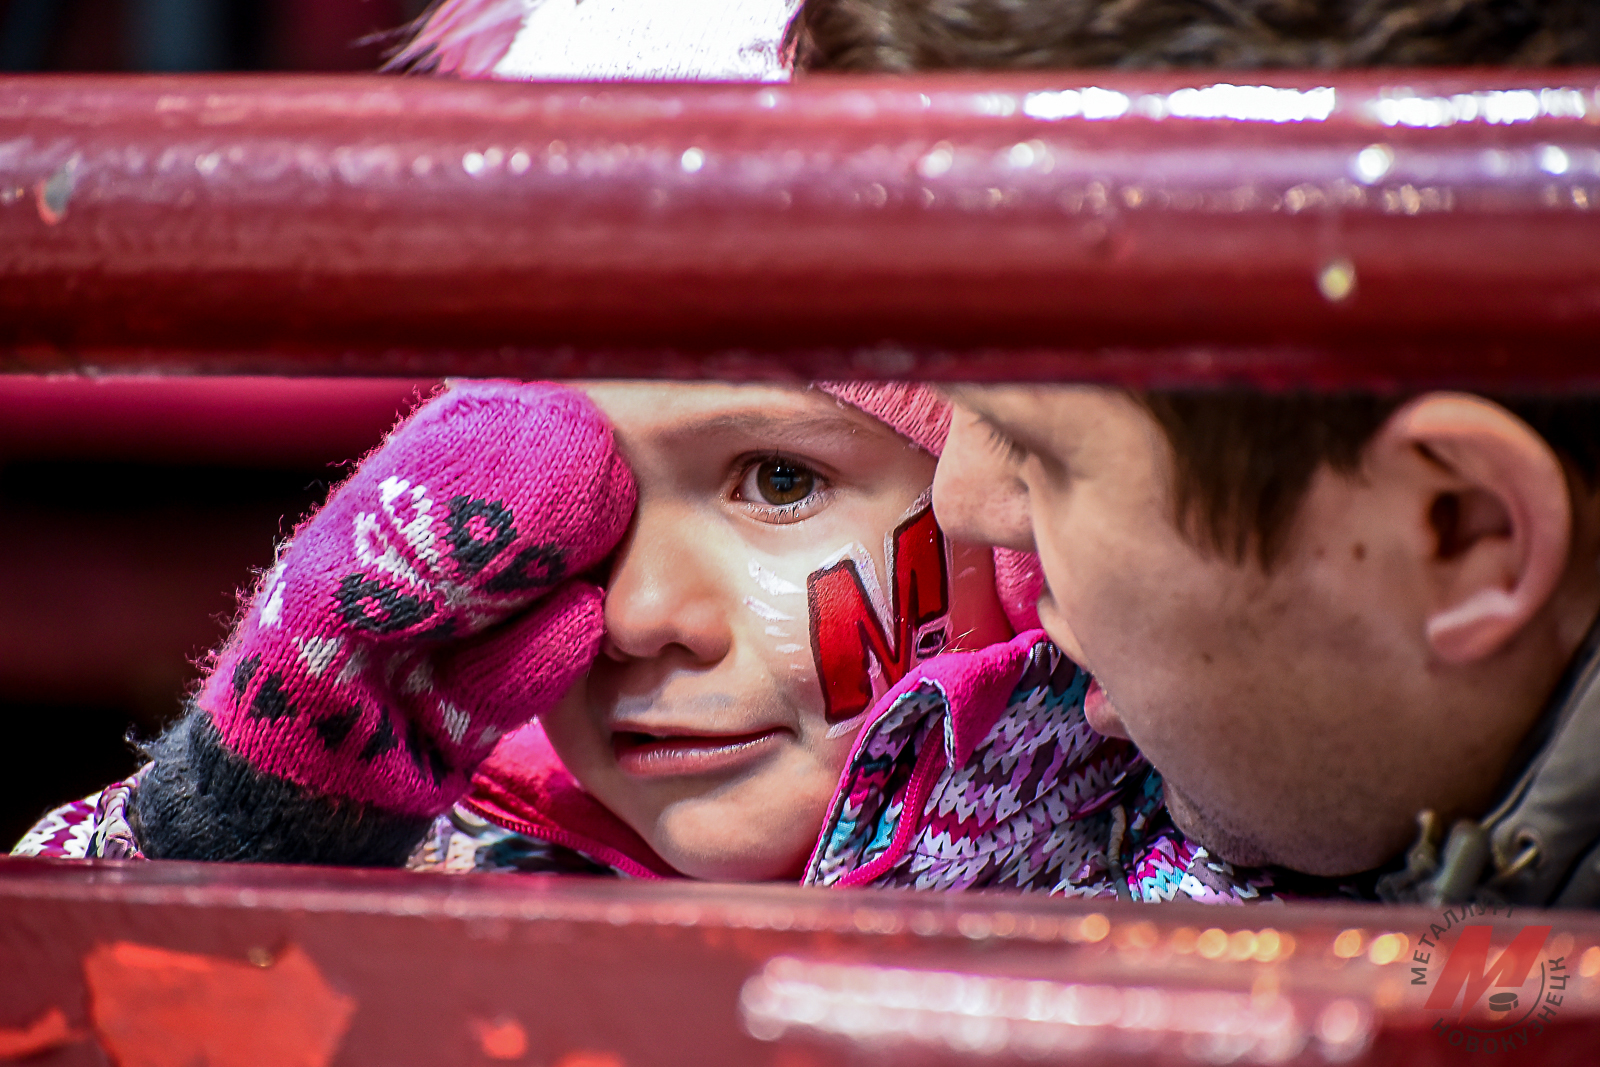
{"x":780,"y":481}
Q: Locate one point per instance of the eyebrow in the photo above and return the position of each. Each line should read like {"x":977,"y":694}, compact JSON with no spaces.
{"x":1000,"y":434}
{"x":973,"y":402}
{"x":1019,"y":439}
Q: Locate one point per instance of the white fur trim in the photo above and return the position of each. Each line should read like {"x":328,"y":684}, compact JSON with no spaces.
{"x":650,"y":40}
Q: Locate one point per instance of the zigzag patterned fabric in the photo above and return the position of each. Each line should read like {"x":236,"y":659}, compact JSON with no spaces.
{"x":95,"y":827}
{"x":1035,"y":809}
{"x":462,"y":842}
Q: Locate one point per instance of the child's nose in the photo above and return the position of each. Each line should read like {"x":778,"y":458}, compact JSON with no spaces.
{"x":664,"y":593}
{"x":977,"y":495}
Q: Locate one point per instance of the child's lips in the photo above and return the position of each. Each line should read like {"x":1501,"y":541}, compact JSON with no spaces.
{"x":643,"y":755}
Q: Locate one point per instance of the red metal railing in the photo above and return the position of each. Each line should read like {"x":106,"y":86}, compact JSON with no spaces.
{"x":173,"y":963}
{"x":1364,"y":228}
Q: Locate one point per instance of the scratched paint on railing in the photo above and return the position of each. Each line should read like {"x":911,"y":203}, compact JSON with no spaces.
{"x":152,"y":1007}
{"x":47,"y":1033}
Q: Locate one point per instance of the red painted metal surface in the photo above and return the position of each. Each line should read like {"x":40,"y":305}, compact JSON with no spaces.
{"x":231,"y":421}
{"x":1367,"y":228}
{"x":165,"y":963}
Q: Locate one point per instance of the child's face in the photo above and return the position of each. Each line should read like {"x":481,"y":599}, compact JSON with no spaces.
{"x":704,"y":725}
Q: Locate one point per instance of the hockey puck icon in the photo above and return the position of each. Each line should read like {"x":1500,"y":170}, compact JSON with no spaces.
{"x":1503,"y":1002}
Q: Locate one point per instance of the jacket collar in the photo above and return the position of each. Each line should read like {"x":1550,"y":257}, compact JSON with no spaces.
{"x":1540,"y":844}
{"x":1544,"y":835}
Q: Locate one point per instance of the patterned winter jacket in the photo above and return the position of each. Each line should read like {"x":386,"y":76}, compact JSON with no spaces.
{"x":978,"y":771}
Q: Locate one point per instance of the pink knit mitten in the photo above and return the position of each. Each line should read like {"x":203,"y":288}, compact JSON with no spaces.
{"x":431,"y":606}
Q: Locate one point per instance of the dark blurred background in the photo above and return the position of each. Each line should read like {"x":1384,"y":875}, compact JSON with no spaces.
{"x":132,"y":510}
{"x":199,"y":35}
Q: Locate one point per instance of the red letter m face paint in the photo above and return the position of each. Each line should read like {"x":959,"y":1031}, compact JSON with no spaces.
{"x":863,"y":645}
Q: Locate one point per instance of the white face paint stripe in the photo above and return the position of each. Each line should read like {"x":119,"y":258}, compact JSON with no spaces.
{"x":772,"y":584}
{"x":848,"y":726}
{"x":766,"y":611}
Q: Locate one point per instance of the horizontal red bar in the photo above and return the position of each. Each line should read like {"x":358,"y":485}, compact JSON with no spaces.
{"x":178,"y":963}
{"x":1363,"y":228}
{"x":239,"y":421}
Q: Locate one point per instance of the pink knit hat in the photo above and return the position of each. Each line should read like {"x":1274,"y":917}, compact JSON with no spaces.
{"x":911,"y":410}
{"x":919,"y":413}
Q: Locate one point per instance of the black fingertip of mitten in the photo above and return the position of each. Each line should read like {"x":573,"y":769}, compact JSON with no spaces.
{"x":200,"y":801}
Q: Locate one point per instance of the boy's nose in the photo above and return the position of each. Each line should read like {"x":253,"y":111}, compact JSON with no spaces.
{"x":978,"y":494}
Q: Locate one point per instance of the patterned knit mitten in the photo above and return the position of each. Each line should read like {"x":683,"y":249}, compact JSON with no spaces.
{"x":430,"y":607}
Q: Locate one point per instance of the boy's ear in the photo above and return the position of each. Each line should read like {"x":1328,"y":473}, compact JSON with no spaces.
{"x":1496,"y":514}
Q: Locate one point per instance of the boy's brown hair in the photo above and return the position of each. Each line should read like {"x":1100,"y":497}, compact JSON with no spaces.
{"x":1243,"y":459}
{"x":910,"y":35}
